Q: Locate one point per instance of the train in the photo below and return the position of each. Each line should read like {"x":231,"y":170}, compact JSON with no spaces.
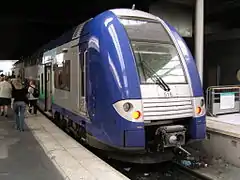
{"x":125,"y":83}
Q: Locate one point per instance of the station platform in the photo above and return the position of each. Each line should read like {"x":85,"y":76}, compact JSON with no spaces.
{"x":221,"y":149}
{"x":228,"y":124}
{"x":223,"y":137}
{"x":43,"y":151}
{"x":21,"y":156}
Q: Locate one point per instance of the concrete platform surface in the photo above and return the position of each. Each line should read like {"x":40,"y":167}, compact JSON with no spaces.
{"x":73,"y":160}
{"x":221,"y":148}
{"x":21,"y":157}
{"x":225,"y":124}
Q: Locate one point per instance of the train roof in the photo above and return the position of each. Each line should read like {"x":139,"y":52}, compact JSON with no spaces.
{"x":133,"y":13}
{"x":64,"y":38}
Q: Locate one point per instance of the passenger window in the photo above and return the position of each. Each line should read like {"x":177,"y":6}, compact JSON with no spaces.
{"x":62,"y":75}
{"x":67,"y":68}
{"x":83,"y":73}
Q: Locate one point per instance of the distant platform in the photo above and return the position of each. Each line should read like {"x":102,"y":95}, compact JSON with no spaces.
{"x":225,"y":124}
{"x":221,"y":148}
{"x":223,"y":138}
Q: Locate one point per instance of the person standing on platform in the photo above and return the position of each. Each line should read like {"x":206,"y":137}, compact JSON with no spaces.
{"x":5,"y":96}
{"x":1,"y":80}
{"x":19,"y":94}
{"x":32,"y":97}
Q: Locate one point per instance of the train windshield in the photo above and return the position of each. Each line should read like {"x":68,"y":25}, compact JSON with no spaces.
{"x":158,"y":59}
{"x":154,"y":52}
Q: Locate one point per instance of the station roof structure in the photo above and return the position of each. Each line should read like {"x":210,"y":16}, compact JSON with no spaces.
{"x":27,"y":26}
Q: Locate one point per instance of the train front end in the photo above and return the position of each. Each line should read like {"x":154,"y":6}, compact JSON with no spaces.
{"x":171,"y":111}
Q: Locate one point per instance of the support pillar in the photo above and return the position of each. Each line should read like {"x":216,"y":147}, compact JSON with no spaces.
{"x":199,"y":36}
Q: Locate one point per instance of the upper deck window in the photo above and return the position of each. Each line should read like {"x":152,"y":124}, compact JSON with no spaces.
{"x":138,"y":29}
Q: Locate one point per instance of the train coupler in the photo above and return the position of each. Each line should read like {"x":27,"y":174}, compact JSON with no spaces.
{"x":184,"y":158}
{"x":169,"y":136}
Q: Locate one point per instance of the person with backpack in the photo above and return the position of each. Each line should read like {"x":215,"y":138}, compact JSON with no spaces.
{"x":19,"y":94}
{"x":32,"y":97}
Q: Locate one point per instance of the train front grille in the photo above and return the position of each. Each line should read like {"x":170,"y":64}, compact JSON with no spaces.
{"x":155,"y":109}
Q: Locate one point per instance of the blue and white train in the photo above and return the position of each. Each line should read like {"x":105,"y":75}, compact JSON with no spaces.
{"x":125,"y":82}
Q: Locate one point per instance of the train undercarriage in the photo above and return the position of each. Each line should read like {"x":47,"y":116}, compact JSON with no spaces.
{"x":162,"y":142}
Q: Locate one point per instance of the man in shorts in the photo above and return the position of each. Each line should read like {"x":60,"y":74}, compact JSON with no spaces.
{"x":5,"y":96}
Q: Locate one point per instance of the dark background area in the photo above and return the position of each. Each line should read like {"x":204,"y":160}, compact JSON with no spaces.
{"x":221,"y":52}
{"x":25,"y":27}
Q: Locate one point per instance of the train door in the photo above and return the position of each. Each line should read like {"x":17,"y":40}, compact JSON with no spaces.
{"x":48,"y":86}
{"x":82,"y":80}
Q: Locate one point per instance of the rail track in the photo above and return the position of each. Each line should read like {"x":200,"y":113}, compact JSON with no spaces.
{"x":163,"y":171}
{"x":191,"y":172}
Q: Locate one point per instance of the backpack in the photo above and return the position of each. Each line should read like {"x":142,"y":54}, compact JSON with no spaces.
{"x":35,"y":92}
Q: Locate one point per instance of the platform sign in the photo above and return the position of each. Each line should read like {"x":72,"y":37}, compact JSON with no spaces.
{"x":227,"y":100}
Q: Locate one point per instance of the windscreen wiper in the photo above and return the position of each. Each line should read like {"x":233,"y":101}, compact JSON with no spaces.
{"x":157,"y":79}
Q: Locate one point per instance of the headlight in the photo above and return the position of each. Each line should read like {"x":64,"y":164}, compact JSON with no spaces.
{"x":199,"y":106}
{"x":127,"y":107}
{"x":130,"y":109}
{"x":198,"y":110}
{"x":136,"y":114}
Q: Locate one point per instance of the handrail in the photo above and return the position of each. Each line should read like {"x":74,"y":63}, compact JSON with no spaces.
{"x":223,"y":99}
